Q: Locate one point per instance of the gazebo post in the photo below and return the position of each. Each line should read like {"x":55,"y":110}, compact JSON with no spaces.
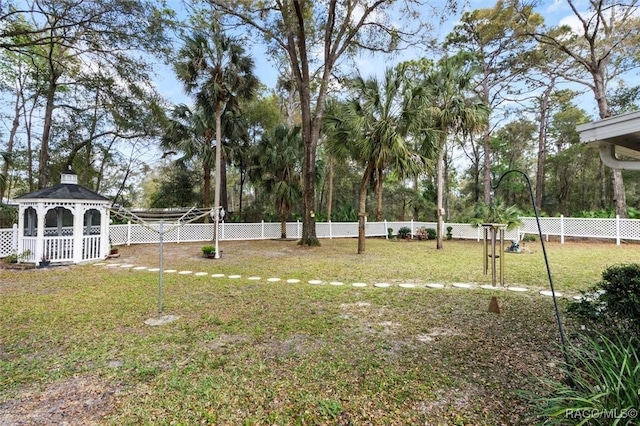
{"x":104,"y":232}
{"x":78,"y":232}
{"x":39,"y":233}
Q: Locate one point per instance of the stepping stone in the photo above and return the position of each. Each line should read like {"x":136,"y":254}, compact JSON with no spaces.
{"x":578,"y":298}
{"x":461,"y":285}
{"x":520,"y":289}
{"x":253,"y":278}
{"x":99,"y":264}
{"x":273,"y":280}
{"x":435,"y":285}
{"x":382,"y":285}
{"x":336,"y":283}
{"x":315,"y":282}
{"x":201,"y":274}
{"x":407,"y":285}
{"x":164,"y":319}
{"x":126,"y":265}
{"x":139,"y":268}
{"x":217,"y":275}
{"x":153,"y":269}
{"x":185,"y":272}
{"x":293,"y":280}
{"x":550,"y":293}
{"x":234,"y":277}
{"x":489,"y":287}
{"x":113,"y":265}
{"x":359,"y":284}
{"x":170,"y":271}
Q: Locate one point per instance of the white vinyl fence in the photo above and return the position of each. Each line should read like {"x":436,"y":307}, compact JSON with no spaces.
{"x":614,"y":229}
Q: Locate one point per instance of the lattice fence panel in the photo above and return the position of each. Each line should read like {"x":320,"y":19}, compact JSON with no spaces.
{"x":464,"y":231}
{"x":192,"y":232}
{"x":592,"y":228}
{"x":118,"y":234}
{"x":8,"y":243}
{"x":375,"y":229}
{"x":242,"y":231}
{"x":271,"y":230}
{"x":344,"y":229}
{"x":630,"y":229}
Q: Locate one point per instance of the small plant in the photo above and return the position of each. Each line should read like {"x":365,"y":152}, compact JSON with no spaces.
{"x":449,"y":233}
{"x":431,"y":234}
{"x":404,"y":232}
{"x":496,"y":212}
{"x":529,"y":238}
{"x":612,"y":305}
{"x":389,"y":233}
{"x":17,"y":257}
{"x":209,"y":251}
{"x":605,"y":380}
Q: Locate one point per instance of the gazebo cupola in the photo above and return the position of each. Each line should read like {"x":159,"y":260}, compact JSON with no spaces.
{"x":63,"y":223}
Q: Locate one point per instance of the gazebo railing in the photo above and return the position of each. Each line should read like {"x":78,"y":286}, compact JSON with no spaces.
{"x":91,"y":247}
{"x":58,"y":249}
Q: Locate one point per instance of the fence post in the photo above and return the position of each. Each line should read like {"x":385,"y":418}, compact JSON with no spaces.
{"x":128,"y":232}
{"x":617,"y":230}
{"x":222,"y":232}
{"x":14,"y":238}
{"x":478,"y":233}
{"x":262,"y":231}
{"x":298,"y":228}
{"x":386,"y":233}
{"x":412,"y":230}
{"x":178,"y":236}
{"x":561,"y":229}
{"x":330,"y":231}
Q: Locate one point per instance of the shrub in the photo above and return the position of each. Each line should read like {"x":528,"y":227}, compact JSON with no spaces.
{"x":605,"y":382}
{"x":431,"y":234}
{"x":208,"y":250}
{"x":529,"y":238}
{"x":612,"y":305}
{"x":404,"y":232}
{"x":389,"y":233}
{"x":449,"y":233}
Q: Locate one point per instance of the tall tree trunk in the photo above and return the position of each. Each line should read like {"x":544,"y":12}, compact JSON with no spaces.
{"x":542,"y":142}
{"x":224,"y":196}
{"x":440,"y":190}
{"x":9,"y":152}
{"x":330,"y":190}
{"x":486,"y":145}
{"x":415,"y":206}
{"x":362,"y":206}
{"x":43,"y":165}
{"x":379,"y":194}
{"x":619,"y":195}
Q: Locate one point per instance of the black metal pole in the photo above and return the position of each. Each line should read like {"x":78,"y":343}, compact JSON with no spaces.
{"x":546,"y":262}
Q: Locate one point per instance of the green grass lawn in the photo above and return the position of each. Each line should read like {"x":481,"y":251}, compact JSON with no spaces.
{"x":74,"y":346}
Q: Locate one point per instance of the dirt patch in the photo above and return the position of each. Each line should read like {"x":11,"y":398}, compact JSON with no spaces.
{"x":77,"y":401}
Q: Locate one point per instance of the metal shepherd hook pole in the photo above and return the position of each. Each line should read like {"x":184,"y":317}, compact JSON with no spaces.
{"x":546,"y":261}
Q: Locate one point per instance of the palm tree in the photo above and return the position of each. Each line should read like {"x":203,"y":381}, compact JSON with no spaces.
{"x":279,"y":168}
{"x":214,"y":67}
{"x":371,"y":128}
{"x":191,"y":132}
{"x":451,"y":110}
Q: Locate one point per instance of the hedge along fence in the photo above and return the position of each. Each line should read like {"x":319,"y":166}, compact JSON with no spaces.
{"x":614,"y":229}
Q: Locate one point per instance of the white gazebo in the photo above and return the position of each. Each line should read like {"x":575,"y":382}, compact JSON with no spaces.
{"x":65,"y":223}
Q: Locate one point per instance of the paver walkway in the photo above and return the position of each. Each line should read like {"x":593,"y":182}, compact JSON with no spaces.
{"x":435,"y":286}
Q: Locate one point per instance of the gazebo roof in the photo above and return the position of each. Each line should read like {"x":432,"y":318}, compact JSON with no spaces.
{"x":68,"y":189}
{"x":64,"y":191}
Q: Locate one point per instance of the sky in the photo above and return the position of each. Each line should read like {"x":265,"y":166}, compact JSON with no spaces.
{"x":554,"y":12}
